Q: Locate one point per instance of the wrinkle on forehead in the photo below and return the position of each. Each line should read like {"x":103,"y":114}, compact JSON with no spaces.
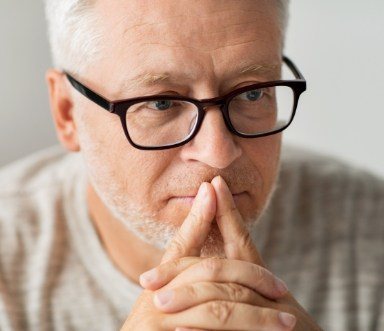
{"x":143,"y":12}
{"x":142,"y":16}
{"x":163,"y":43}
{"x":182,"y":18}
{"x":211,"y":41}
{"x":199,"y":47}
{"x":195,"y":25}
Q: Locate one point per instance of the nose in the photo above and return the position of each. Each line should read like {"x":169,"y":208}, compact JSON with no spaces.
{"x":214,"y":145}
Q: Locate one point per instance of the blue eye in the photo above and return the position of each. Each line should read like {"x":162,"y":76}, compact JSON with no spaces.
{"x":160,"y":104}
{"x":253,"y":95}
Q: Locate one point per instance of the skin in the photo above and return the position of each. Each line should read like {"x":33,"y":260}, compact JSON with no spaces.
{"x":146,"y":38}
{"x":234,"y":293}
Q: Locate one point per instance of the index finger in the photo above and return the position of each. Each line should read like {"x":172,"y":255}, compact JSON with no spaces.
{"x":238,"y":243}
{"x":192,"y":234}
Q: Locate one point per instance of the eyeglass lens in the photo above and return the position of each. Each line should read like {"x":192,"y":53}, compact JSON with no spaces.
{"x":165,"y":122}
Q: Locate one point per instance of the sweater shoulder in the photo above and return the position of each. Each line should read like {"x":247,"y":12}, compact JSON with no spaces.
{"x":320,"y":172}
{"x":316,"y":191}
{"x":32,"y":193}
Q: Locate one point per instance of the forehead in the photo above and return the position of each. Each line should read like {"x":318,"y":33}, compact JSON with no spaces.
{"x":190,"y":39}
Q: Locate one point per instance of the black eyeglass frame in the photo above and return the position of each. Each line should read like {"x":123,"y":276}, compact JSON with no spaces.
{"x":120,"y":107}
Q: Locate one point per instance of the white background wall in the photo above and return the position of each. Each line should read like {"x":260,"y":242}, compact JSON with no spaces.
{"x":338,"y":45}
{"x":25,"y":123}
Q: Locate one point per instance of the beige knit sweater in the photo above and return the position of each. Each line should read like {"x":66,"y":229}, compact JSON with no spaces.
{"x":323,"y":234}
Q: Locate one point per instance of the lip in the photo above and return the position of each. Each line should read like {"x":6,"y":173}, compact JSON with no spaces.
{"x":190,"y":199}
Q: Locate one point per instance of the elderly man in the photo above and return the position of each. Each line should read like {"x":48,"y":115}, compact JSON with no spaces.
{"x":176,"y":177}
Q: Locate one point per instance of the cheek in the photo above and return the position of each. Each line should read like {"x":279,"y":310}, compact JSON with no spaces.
{"x":120,"y":169}
{"x":98,"y":129}
{"x":264,"y":155}
{"x":142,"y":171}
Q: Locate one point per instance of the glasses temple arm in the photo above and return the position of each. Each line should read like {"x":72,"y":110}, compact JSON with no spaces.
{"x":87,"y":92}
{"x":293,"y":67}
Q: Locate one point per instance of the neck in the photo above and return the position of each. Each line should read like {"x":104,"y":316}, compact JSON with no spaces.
{"x":130,"y":254}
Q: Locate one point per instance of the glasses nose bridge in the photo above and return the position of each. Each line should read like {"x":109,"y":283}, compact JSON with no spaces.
{"x":218,"y":101}
{"x":207,"y":103}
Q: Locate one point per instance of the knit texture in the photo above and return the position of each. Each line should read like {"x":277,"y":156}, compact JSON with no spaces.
{"x":323,"y":233}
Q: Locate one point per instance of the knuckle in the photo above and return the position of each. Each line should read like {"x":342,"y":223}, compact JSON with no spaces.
{"x":236,"y":292}
{"x":212,"y":266}
{"x":191,"y":291}
{"x":264,"y":317}
{"x":178,"y":245}
{"x":246,"y":240}
{"x":186,"y":261}
{"x":260,"y":274}
{"x":221,"y":311}
{"x":232,"y":211}
{"x":174,"y":264}
{"x":219,"y":217}
{"x":194,"y":217}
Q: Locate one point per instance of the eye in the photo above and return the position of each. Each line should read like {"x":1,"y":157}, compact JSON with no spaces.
{"x":252,"y":95}
{"x":160,"y":104}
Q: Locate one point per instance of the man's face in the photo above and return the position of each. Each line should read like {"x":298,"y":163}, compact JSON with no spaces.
{"x":200,"y":49}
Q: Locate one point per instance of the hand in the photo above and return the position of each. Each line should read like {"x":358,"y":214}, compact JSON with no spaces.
{"x":222,"y":294}
{"x":144,"y":315}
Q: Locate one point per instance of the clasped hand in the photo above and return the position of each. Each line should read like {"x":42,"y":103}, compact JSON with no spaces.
{"x":188,"y":292}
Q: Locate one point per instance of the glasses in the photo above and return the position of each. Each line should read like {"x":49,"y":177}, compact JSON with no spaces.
{"x":166,"y":121}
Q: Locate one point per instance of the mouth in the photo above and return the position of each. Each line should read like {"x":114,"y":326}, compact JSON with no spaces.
{"x":189,"y":199}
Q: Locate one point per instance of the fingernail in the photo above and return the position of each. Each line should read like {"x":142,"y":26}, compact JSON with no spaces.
{"x":287,"y":320}
{"x":281,"y":286}
{"x":148,"y":277}
{"x":216,"y":179}
{"x":164,"y":297}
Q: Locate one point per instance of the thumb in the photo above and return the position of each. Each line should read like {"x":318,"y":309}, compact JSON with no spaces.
{"x":192,"y":234}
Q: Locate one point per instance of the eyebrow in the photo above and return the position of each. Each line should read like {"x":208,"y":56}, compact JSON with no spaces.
{"x":147,"y":79}
{"x":151,"y":78}
{"x":260,"y":68}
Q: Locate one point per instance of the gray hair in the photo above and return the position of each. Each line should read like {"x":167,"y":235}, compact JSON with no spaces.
{"x":74,"y":35}
{"x":283,"y":7}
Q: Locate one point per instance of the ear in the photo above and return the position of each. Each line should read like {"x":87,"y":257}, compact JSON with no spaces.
{"x":62,"y":109}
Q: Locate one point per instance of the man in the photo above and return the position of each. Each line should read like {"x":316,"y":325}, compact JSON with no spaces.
{"x":175,"y":177}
